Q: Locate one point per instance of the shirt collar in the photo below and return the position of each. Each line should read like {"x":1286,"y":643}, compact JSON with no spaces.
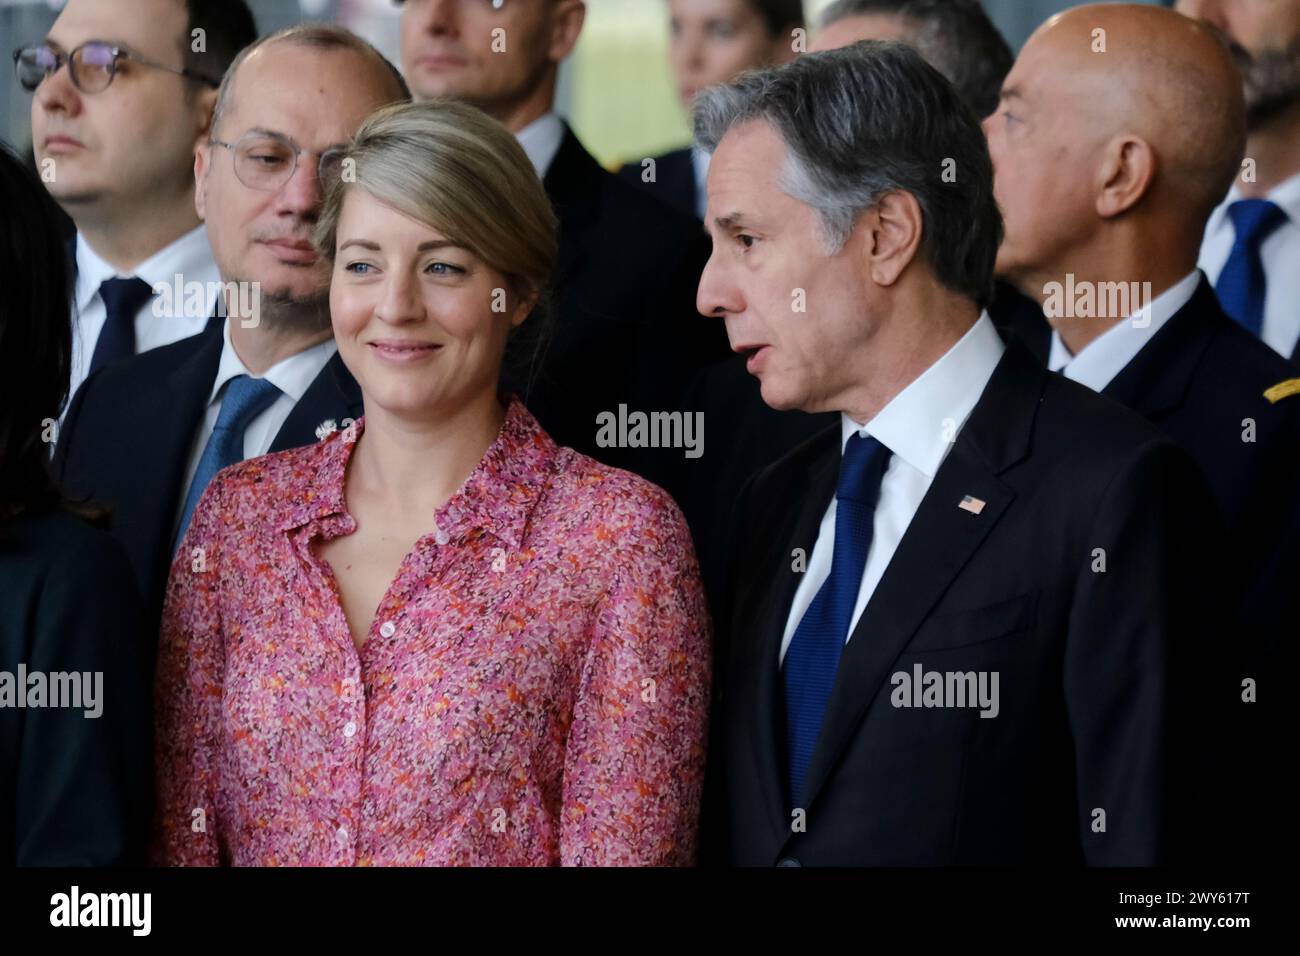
{"x":1098,"y":362}
{"x":1286,"y":195}
{"x":541,"y":141}
{"x":189,"y":257}
{"x":921,"y":422}
{"x":496,"y":498}
{"x":292,"y":376}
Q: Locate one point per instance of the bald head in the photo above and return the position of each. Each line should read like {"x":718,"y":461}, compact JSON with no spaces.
{"x":1157,"y":75}
{"x":1114,"y":110}
{"x":322,"y":38}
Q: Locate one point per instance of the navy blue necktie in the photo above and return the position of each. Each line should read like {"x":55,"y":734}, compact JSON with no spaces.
{"x":1242,"y":282}
{"x":813,"y":656}
{"x":123,"y":298}
{"x":245,"y":399}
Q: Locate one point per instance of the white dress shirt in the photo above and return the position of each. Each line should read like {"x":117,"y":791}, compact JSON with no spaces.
{"x":700,"y":165}
{"x":541,"y":141}
{"x":919,"y":426}
{"x":292,"y":376}
{"x":189,"y":257}
{"x":1280,"y":256}
{"x":1104,"y":357}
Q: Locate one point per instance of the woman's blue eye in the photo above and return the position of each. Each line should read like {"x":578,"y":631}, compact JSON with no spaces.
{"x":356,"y":267}
{"x":444,"y":268}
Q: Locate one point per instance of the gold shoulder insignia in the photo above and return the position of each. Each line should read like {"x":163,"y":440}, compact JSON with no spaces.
{"x":1282,"y":389}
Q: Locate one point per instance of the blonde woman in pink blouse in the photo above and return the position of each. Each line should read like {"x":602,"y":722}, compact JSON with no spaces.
{"x":435,"y":637}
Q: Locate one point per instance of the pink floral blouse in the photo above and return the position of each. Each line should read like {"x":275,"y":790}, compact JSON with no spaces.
{"x":534,"y":688}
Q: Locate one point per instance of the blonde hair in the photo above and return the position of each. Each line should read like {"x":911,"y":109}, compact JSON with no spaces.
{"x":452,"y":167}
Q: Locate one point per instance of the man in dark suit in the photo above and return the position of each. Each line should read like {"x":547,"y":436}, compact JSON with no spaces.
{"x":710,"y":42}
{"x":1252,"y":238}
{"x":116,"y":147}
{"x":1114,"y":267}
{"x":963,"y":623}
{"x":145,"y":436}
{"x":957,"y":38}
{"x":625,"y":331}
{"x":678,"y":179}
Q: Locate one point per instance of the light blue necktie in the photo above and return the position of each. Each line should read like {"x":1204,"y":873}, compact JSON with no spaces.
{"x":1242,"y":283}
{"x":244,"y":400}
{"x":813,"y":656}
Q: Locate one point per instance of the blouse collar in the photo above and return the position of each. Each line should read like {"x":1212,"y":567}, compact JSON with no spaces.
{"x":497,"y":497}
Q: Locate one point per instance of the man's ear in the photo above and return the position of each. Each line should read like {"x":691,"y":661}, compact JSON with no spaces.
{"x":206,"y":103}
{"x":1128,"y":168}
{"x":202,"y":162}
{"x":566,"y":25}
{"x":894,"y":227}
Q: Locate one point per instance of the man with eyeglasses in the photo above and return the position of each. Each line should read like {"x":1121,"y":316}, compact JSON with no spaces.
{"x":122,"y":90}
{"x":145,"y":436}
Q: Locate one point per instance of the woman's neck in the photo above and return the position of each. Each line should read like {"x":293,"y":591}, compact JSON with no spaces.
{"x":412,"y":466}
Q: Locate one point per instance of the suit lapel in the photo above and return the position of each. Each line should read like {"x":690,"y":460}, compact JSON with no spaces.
{"x":333,"y":395}
{"x":939,"y":542}
{"x":175,"y":412}
{"x":1157,"y":379}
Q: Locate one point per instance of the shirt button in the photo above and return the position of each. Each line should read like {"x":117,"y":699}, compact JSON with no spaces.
{"x":388,"y":629}
{"x":441,"y":536}
{"x":342,"y":834}
{"x":349,"y":729}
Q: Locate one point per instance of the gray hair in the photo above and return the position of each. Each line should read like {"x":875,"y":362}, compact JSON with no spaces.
{"x":956,"y":37}
{"x":863,"y":121}
{"x":319,"y":36}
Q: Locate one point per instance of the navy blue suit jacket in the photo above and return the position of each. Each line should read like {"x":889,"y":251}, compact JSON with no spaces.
{"x":1213,"y":388}
{"x":126,"y":441}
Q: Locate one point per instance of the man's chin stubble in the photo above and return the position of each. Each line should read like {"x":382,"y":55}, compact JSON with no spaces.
{"x":286,"y":313}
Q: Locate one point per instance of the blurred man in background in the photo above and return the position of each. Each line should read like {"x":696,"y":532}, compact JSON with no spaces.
{"x":711,"y":42}
{"x":145,"y":436}
{"x":1252,"y":241}
{"x":956,"y":37}
{"x":1105,"y":195}
{"x":123,"y":90}
{"x":625,"y":331}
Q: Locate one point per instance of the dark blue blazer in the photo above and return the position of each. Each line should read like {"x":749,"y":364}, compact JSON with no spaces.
{"x":625,"y":329}
{"x":1101,"y":674}
{"x":674,"y":180}
{"x":1202,"y":379}
{"x":126,"y":441}
{"x":1209,"y":384}
{"x":74,"y":790}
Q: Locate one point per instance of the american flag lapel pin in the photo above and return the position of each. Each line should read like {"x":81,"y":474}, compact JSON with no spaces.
{"x":972,"y":504}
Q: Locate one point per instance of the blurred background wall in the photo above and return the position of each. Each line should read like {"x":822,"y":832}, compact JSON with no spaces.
{"x":615,"y":90}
